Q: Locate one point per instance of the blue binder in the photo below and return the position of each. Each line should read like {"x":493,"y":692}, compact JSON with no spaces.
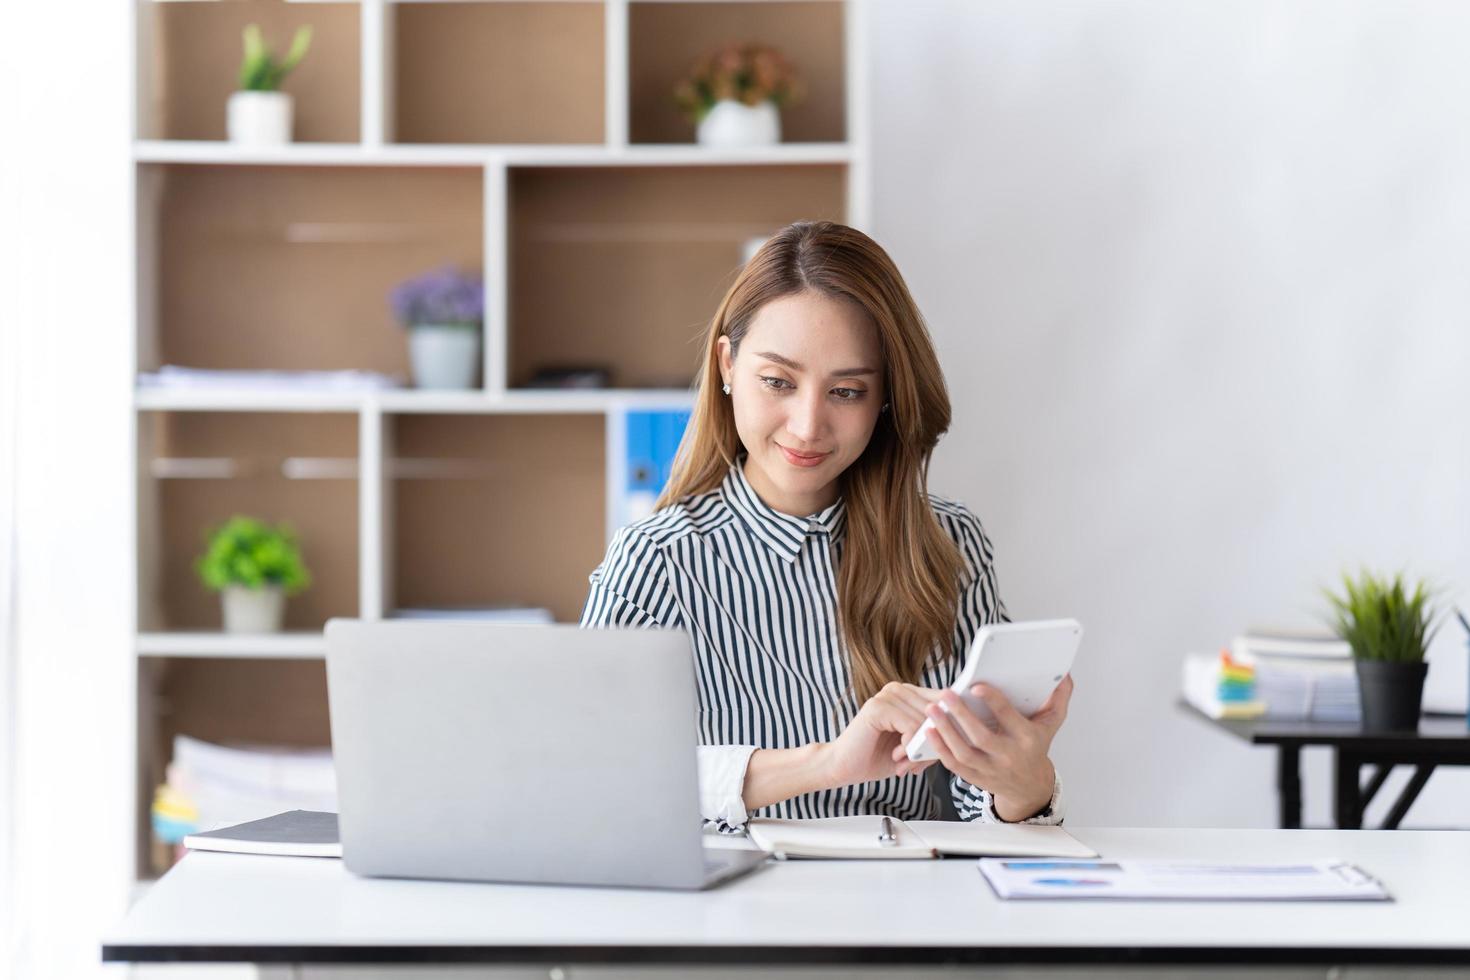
{"x":652,"y":442}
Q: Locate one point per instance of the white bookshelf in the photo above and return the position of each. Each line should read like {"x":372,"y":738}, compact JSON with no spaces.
{"x":375,"y":464}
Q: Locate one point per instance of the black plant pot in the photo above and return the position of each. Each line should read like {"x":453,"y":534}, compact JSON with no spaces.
{"x":1391,"y":694}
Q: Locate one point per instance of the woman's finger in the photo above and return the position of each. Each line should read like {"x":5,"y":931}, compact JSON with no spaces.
{"x":963,"y":749}
{"x":1054,"y":711}
{"x":917,"y":698}
{"x":976,"y":732}
{"x":977,"y":775}
{"x":1006,"y":715}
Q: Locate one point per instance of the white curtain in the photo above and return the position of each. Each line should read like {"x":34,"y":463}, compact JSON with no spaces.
{"x":8,"y":470}
{"x":66,"y":670}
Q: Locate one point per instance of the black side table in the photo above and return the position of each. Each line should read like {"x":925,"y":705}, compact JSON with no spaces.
{"x":1442,"y":740}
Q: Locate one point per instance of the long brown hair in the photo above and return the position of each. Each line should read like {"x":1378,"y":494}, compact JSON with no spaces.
{"x":899,"y":580}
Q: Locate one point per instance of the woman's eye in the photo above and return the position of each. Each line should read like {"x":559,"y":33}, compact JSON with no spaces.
{"x":848,"y":394}
{"x":776,"y":384}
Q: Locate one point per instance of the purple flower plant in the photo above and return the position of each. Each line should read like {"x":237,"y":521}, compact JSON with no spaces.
{"x":445,"y":296}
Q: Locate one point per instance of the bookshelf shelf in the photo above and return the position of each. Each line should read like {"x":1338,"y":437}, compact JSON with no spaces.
{"x":531,"y":140}
{"x":361,"y":155}
{"x":412,"y":401}
{"x":291,"y":646}
{"x":216,"y":400}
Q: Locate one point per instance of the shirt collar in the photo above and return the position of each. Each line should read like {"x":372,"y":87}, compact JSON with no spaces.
{"x":782,"y":533}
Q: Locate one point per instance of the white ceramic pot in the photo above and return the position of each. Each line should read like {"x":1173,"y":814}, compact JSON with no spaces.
{"x":259,"y":118}
{"x":444,"y":356}
{"x":731,"y":123}
{"x":253,"y":610}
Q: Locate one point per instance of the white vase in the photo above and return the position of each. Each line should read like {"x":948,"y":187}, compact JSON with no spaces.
{"x":253,"y":610}
{"x":445,"y":357}
{"x":259,"y":118}
{"x":731,"y":123}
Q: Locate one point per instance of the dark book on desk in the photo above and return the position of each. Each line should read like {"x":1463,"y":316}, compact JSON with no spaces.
{"x":296,"y":833}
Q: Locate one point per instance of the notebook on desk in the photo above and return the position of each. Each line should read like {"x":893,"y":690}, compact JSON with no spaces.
{"x":859,"y":837}
{"x":295,"y":833}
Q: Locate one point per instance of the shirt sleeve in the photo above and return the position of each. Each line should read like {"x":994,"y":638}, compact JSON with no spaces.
{"x":980,"y":603}
{"x":631,"y":586}
{"x":722,"y":785}
{"x":630,"y":589}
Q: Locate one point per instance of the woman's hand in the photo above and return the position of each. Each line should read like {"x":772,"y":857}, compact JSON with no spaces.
{"x":1011,"y":761}
{"x":872,"y":745}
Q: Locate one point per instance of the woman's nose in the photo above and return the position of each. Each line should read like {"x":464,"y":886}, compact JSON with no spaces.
{"x":807,"y":420}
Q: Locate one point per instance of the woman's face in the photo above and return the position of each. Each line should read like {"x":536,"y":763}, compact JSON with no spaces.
{"x":806,"y":387}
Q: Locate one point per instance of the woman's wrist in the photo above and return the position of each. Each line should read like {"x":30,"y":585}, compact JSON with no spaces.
{"x":773,"y":775}
{"x":1014,"y":809}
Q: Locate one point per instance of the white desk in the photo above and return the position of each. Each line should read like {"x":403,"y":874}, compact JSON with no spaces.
{"x":227,"y":907}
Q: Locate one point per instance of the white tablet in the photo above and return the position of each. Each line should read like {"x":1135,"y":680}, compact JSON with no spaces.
{"x":1024,"y":661}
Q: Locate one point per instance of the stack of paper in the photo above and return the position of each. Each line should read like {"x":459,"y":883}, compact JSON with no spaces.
{"x":194,"y":379}
{"x":1302,"y":677}
{"x":219,"y":785}
{"x":480,"y":614}
{"x":1221,"y":687}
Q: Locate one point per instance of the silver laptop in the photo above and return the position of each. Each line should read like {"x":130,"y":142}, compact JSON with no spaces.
{"x":494,"y":752}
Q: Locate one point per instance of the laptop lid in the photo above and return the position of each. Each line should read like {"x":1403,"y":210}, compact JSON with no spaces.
{"x":528,"y":753}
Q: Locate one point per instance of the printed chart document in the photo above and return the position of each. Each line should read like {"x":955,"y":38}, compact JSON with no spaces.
{"x":859,"y":837}
{"x":299,"y":833}
{"x":1312,"y":881}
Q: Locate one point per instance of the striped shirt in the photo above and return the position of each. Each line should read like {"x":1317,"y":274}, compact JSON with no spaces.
{"x":756,"y":591}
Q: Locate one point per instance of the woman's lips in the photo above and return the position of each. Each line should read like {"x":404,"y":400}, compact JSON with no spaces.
{"x":803,"y":459}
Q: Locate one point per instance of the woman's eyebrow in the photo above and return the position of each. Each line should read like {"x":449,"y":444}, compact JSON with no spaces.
{"x":789,"y":363}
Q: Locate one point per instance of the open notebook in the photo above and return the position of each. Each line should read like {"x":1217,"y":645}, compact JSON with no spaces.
{"x":857,"y":837}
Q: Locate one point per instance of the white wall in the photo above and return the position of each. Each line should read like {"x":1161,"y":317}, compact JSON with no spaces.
{"x":1198,"y":276}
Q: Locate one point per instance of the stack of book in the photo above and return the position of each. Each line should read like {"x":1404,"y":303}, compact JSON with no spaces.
{"x":210,"y":786}
{"x":1301,"y":676}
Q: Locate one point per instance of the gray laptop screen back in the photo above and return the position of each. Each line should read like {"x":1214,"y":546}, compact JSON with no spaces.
{"x":515,"y":753}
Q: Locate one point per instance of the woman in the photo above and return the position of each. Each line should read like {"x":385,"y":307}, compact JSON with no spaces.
{"x":829,"y":598}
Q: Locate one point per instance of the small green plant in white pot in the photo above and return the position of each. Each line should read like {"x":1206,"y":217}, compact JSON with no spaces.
{"x":253,"y":566}
{"x":260,"y":113}
{"x":443,"y":312}
{"x":1389,"y":630}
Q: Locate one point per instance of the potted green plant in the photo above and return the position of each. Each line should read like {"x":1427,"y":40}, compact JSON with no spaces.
{"x":442,"y":311}
{"x":734,"y":95}
{"x":1389,"y":631}
{"x":253,"y":566}
{"x":260,"y":113}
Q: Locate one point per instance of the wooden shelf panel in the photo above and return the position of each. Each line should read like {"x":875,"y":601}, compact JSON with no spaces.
{"x":666,"y":39}
{"x":524,"y":527}
{"x":193,"y":59}
{"x":290,"y":269}
{"x":176,"y":513}
{"x":655,"y":249}
{"x":498,"y":72}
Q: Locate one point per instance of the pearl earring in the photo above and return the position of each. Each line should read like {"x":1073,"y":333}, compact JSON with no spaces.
{"x":726,"y":389}
{"x":884,"y":408}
